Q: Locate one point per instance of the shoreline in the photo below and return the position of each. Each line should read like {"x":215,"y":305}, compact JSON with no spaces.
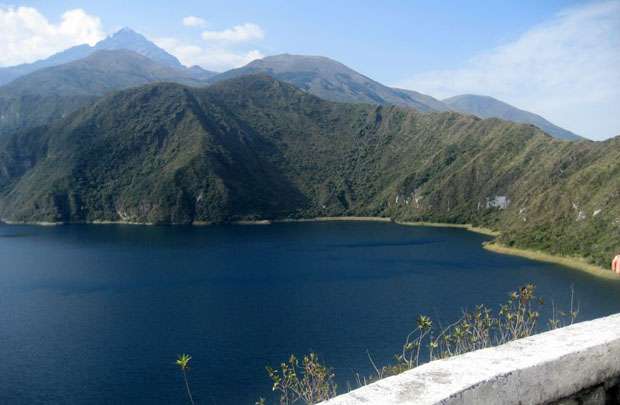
{"x":251,"y":222}
{"x":575,"y":263}
{"x":467,"y":227}
{"x":103,"y":222}
{"x":36,"y":223}
{"x":334,"y":219}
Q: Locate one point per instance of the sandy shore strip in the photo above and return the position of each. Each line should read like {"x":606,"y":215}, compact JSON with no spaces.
{"x":328,"y":219}
{"x":120,"y":222}
{"x":253,"y":222}
{"x":37,"y":223}
{"x":576,"y":263}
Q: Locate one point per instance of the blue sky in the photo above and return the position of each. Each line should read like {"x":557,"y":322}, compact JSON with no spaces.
{"x":388,"y":40}
{"x":441,"y":48}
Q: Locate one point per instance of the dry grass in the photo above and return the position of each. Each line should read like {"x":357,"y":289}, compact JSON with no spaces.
{"x":576,"y":263}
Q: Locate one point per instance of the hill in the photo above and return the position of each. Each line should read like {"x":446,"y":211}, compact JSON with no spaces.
{"x":51,"y":93}
{"x":257,"y":148}
{"x":330,"y":80}
{"x":489,"y":107}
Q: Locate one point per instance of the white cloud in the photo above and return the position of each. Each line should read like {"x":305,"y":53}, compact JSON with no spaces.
{"x":567,"y":70}
{"x":26,"y":35}
{"x":193,"y":21}
{"x":216,"y":59}
{"x":239,"y":33}
{"x":219,"y":50}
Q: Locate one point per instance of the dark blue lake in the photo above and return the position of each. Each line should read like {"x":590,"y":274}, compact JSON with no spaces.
{"x":97,"y":314}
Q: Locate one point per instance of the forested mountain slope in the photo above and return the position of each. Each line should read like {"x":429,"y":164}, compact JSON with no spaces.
{"x":51,"y":93}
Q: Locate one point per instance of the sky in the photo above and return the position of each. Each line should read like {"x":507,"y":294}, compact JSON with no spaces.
{"x":557,"y":58}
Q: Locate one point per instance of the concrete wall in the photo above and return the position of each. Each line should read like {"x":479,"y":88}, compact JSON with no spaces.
{"x":578,"y":364}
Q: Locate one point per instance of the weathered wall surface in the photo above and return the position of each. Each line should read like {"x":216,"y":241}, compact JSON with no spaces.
{"x":577,"y":364}
{"x":607,"y":393}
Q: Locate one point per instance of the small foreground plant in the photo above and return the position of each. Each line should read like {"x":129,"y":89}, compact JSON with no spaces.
{"x":183,"y":363}
{"x":309,"y":382}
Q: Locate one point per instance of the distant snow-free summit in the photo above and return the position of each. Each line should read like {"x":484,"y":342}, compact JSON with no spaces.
{"x":330,"y":80}
{"x":489,"y":107}
{"x":125,"y":39}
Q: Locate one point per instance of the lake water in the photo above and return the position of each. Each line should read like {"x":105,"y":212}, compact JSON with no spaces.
{"x":97,"y":313}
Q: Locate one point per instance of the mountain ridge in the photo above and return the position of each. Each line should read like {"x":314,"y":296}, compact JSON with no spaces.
{"x":51,"y":93}
{"x":328,"y":79}
{"x":318,"y":75}
{"x":126,"y":38}
{"x":488,"y":107}
{"x":334,"y":81}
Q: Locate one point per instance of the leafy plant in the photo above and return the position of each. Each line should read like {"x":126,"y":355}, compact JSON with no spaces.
{"x":183,"y":363}
{"x":309,"y":382}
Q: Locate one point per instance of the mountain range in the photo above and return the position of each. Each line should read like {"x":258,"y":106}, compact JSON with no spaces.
{"x":334,"y":81}
{"x":130,"y":135}
{"x":317,"y":75}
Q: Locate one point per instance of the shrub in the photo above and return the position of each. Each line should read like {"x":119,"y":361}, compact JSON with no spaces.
{"x":309,"y":382}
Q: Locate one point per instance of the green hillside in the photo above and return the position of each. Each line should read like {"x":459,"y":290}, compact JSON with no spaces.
{"x":257,"y":148}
